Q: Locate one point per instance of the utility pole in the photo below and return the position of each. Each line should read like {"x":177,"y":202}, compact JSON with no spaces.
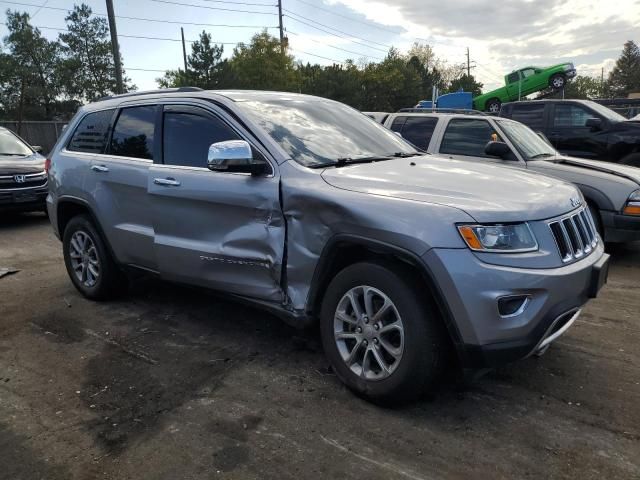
{"x":280,"y":24}
{"x":115,"y":47}
{"x":184,"y":51}
{"x":602,"y":83}
{"x":468,"y":63}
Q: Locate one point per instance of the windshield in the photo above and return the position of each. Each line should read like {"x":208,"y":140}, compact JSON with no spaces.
{"x":528,"y":143}
{"x":12,"y":145}
{"x":316,"y":132}
{"x":606,"y":112}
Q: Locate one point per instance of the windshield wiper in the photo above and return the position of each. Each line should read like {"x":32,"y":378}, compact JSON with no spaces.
{"x":342,"y":161}
{"x":13,"y":154}
{"x":542,"y":155}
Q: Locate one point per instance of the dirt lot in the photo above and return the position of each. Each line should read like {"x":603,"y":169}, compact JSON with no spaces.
{"x":172,"y":383}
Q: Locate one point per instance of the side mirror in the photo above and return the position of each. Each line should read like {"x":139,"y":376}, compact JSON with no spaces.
{"x":595,"y":124}
{"x":235,"y":156}
{"x":36,"y":148}
{"x":497,"y":149}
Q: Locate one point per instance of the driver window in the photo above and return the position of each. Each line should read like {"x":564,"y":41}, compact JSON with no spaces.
{"x":513,"y":77}
{"x":468,"y":137}
{"x":570,"y":116}
{"x":528,"y":72}
{"x":186,"y":137}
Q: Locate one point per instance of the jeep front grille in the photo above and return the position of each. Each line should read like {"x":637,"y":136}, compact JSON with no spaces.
{"x":575,"y":235}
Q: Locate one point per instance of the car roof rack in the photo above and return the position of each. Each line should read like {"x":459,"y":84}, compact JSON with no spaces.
{"x":150,"y":92}
{"x":464,"y":111}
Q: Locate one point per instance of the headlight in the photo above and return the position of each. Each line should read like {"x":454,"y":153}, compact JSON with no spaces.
{"x":632,"y":206}
{"x":499,"y":238}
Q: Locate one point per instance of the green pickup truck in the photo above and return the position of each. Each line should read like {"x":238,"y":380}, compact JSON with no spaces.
{"x":524,"y":82}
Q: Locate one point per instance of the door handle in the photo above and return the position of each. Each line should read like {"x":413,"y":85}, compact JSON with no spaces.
{"x":99,"y":168}
{"x":166,"y":182}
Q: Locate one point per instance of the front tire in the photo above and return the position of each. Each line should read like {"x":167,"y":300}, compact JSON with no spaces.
{"x":557,"y":81}
{"x":493,"y":105}
{"x":89,"y":264}
{"x":383,"y":341}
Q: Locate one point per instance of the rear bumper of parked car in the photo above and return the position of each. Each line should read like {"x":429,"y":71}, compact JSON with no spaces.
{"x":23,"y":200}
{"x":620,"y":228}
{"x":472,"y":289}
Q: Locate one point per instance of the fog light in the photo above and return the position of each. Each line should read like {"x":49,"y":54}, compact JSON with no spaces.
{"x":512,"y":305}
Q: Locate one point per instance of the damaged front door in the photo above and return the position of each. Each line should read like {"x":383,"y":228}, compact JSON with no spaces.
{"x":221,"y":230}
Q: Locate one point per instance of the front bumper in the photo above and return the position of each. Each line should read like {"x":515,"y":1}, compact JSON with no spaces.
{"x":24,"y":199}
{"x":471,"y":289}
{"x":620,"y":228}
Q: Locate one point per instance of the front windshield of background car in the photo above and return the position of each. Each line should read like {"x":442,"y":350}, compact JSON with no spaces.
{"x":316,"y":132}
{"x":528,"y":143}
{"x":12,"y":145}
{"x":607,"y":112}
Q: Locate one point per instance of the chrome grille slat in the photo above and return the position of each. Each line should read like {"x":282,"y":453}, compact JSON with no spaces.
{"x":575,"y":235}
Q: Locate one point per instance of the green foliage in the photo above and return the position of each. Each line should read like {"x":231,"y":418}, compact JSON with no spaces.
{"x":625,"y":76}
{"x":467,"y":83}
{"x":87,"y":69}
{"x":584,"y":87}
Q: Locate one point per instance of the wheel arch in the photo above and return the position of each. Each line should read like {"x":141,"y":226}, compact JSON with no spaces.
{"x":343,"y":250}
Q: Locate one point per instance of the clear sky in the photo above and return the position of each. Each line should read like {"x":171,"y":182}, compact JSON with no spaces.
{"x":502,"y":35}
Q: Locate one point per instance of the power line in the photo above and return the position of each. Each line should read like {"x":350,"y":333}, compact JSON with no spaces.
{"x":144,"y":19}
{"x":335,"y":34}
{"x":318,"y":56}
{"x":38,"y":11}
{"x":334,"y":29}
{"x":338,"y":48}
{"x":240,"y":3}
{"x":215,"y":8}
{"x":348,"y":17}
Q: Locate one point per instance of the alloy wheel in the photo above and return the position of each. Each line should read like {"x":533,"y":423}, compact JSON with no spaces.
{"x":84,"y":259}
{"x":369,"y":333}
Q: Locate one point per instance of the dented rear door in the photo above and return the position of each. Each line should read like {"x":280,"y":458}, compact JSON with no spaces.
{"x":215,"y":229}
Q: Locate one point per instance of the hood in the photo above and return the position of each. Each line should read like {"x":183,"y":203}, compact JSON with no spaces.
{"x":625,"y":171}
{"x":487,"y":192}
{"x":11,"y":165}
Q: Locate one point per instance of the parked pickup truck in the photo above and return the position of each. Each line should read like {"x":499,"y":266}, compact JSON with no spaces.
{"x":612,"y":192}
{"x":581,"y":128}
{"x":524,"y":82}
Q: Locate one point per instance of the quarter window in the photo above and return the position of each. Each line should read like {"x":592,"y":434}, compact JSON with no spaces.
{"x":187,"y":137}
{"x":134,"y":133}
{"x":467,"y":137}
{"x":570,"y":116}
{"x":92,"y":133}
{"x":418,"y":130}
{"x":531,"y":114}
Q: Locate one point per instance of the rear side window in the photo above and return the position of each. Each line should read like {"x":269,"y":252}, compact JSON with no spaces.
{"x":467,"y":137}
{"x":570,"y":116}
{"x":418,"y":130}
{"x":133,"y":133}
{"x":187,"y":137}
{"x":92,"y":133}
{"x":531,"y":114}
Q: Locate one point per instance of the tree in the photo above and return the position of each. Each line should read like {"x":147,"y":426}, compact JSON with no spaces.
{"x":87,"y":70}
{"x":262,"y":65}
{"x":584,"y":87}
{"x":625,"y":76}
{"x":467,"y":83}
{"x":36,"y":63}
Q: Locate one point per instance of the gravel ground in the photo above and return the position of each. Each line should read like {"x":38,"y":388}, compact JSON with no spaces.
{"x":175,"y":383}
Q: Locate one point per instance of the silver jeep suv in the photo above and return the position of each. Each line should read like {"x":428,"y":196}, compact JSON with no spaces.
{"x":314,"y":211}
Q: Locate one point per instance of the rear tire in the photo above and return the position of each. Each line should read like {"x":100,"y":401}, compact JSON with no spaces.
{"x":493,"y":105}
{"x":557,"y":81}
{"x":407,"y":336}
{"x":89,"y":264}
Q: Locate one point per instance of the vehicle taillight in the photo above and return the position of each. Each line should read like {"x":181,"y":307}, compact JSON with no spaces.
{"x":47,"y":165}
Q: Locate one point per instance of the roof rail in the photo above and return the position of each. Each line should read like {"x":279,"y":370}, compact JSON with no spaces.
{"x":464,"y":111}
{"x":149,"y":92}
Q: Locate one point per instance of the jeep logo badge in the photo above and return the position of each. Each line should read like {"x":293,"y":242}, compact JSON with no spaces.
{"x":575,"y":202}
{"x":19,"y":178}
